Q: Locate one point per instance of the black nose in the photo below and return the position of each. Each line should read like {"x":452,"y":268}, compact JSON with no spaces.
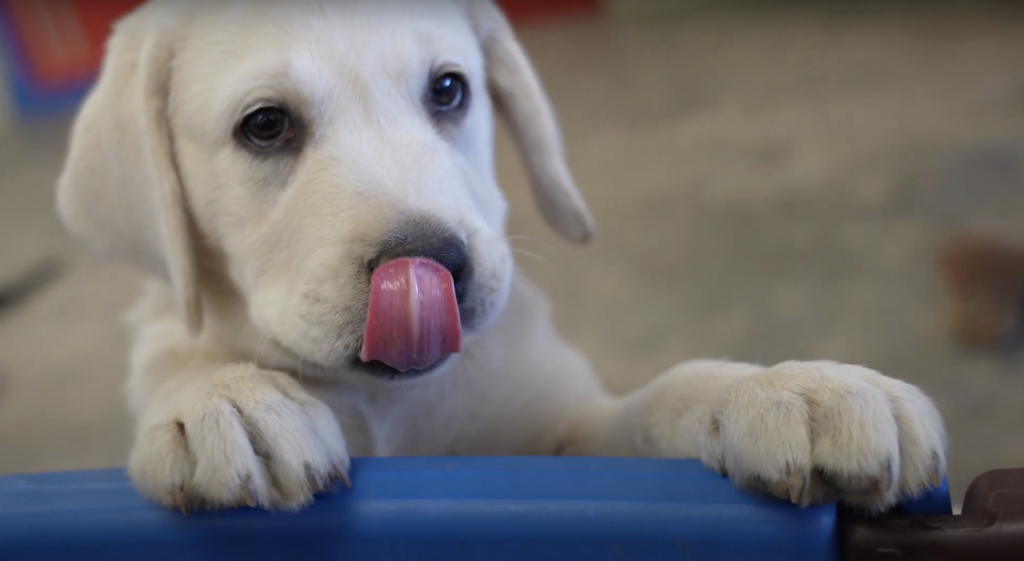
{"x":432,"y":240}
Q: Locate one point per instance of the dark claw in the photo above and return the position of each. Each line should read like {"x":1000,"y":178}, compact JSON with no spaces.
{"x":315,"y":483}
{"x":888,"y":477}
{"x":247,"y":498}
{"x":180,"y":502}
{"x":797,"y":483}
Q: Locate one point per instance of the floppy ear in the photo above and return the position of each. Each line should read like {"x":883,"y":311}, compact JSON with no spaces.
{"x":119,"y":190}
{"x":521,"y":101}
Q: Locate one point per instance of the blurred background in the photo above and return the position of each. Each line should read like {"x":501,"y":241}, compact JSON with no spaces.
{"x":771,"y":180}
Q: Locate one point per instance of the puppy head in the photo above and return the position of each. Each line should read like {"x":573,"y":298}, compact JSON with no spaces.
{"x":284,"y":149}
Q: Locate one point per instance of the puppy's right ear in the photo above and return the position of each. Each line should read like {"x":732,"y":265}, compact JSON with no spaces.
{"x":120,"y":190}
{"x":520,"y":99}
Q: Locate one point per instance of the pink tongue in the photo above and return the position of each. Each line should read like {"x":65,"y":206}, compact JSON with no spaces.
{"x":413,"y":320}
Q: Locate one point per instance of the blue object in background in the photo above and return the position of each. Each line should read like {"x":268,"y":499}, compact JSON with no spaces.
{"x":447,"y":509}
{"x":30,"y":99}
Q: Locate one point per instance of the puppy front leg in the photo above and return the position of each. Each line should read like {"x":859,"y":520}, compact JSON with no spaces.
{"x":664,"y":419}
{"x":808,"y":432}
{"x":211,"y":434}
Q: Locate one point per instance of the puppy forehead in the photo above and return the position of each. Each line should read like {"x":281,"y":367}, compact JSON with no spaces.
{"x":385,"y":35}
{"x":313,"y":52}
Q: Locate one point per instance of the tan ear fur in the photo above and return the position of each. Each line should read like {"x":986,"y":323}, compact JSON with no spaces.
{"x":120,"y":191}
{"x":520,"y":99}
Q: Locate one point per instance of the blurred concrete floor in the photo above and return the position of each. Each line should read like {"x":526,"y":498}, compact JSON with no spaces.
{"x":768,"y":185}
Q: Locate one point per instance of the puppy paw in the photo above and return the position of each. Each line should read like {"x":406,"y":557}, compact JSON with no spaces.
{"x":246,"y":437}
{"x":818,"y":432}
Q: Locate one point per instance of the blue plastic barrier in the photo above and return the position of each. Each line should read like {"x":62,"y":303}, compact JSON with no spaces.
{"x":448,"y":509}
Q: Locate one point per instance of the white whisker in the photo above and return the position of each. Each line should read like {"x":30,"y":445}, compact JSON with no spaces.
{"x":527,"y":253}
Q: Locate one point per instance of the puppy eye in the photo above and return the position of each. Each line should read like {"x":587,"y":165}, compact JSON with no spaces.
{"x":267,"y":127}
{"x":448,"y":92}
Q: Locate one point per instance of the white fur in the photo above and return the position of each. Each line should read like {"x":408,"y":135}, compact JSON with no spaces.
{"x":241,"y":378}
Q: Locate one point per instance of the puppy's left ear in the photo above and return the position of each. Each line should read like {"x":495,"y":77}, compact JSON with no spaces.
{"x":520,"y":99}
{"x":120,"y":190}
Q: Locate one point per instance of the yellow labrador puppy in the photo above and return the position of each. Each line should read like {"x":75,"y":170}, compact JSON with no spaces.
{"x":311,"y":185}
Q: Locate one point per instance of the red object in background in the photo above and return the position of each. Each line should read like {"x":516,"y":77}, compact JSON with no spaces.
{"x":61,"y":41}
{"x":531,"y":11}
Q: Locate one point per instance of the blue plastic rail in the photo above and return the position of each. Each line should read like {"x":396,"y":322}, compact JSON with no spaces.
{"x":450,"y":509}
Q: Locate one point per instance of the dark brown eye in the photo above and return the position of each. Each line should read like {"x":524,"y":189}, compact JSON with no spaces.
{"x":267,"y":126}
{"x":448,"y":92}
